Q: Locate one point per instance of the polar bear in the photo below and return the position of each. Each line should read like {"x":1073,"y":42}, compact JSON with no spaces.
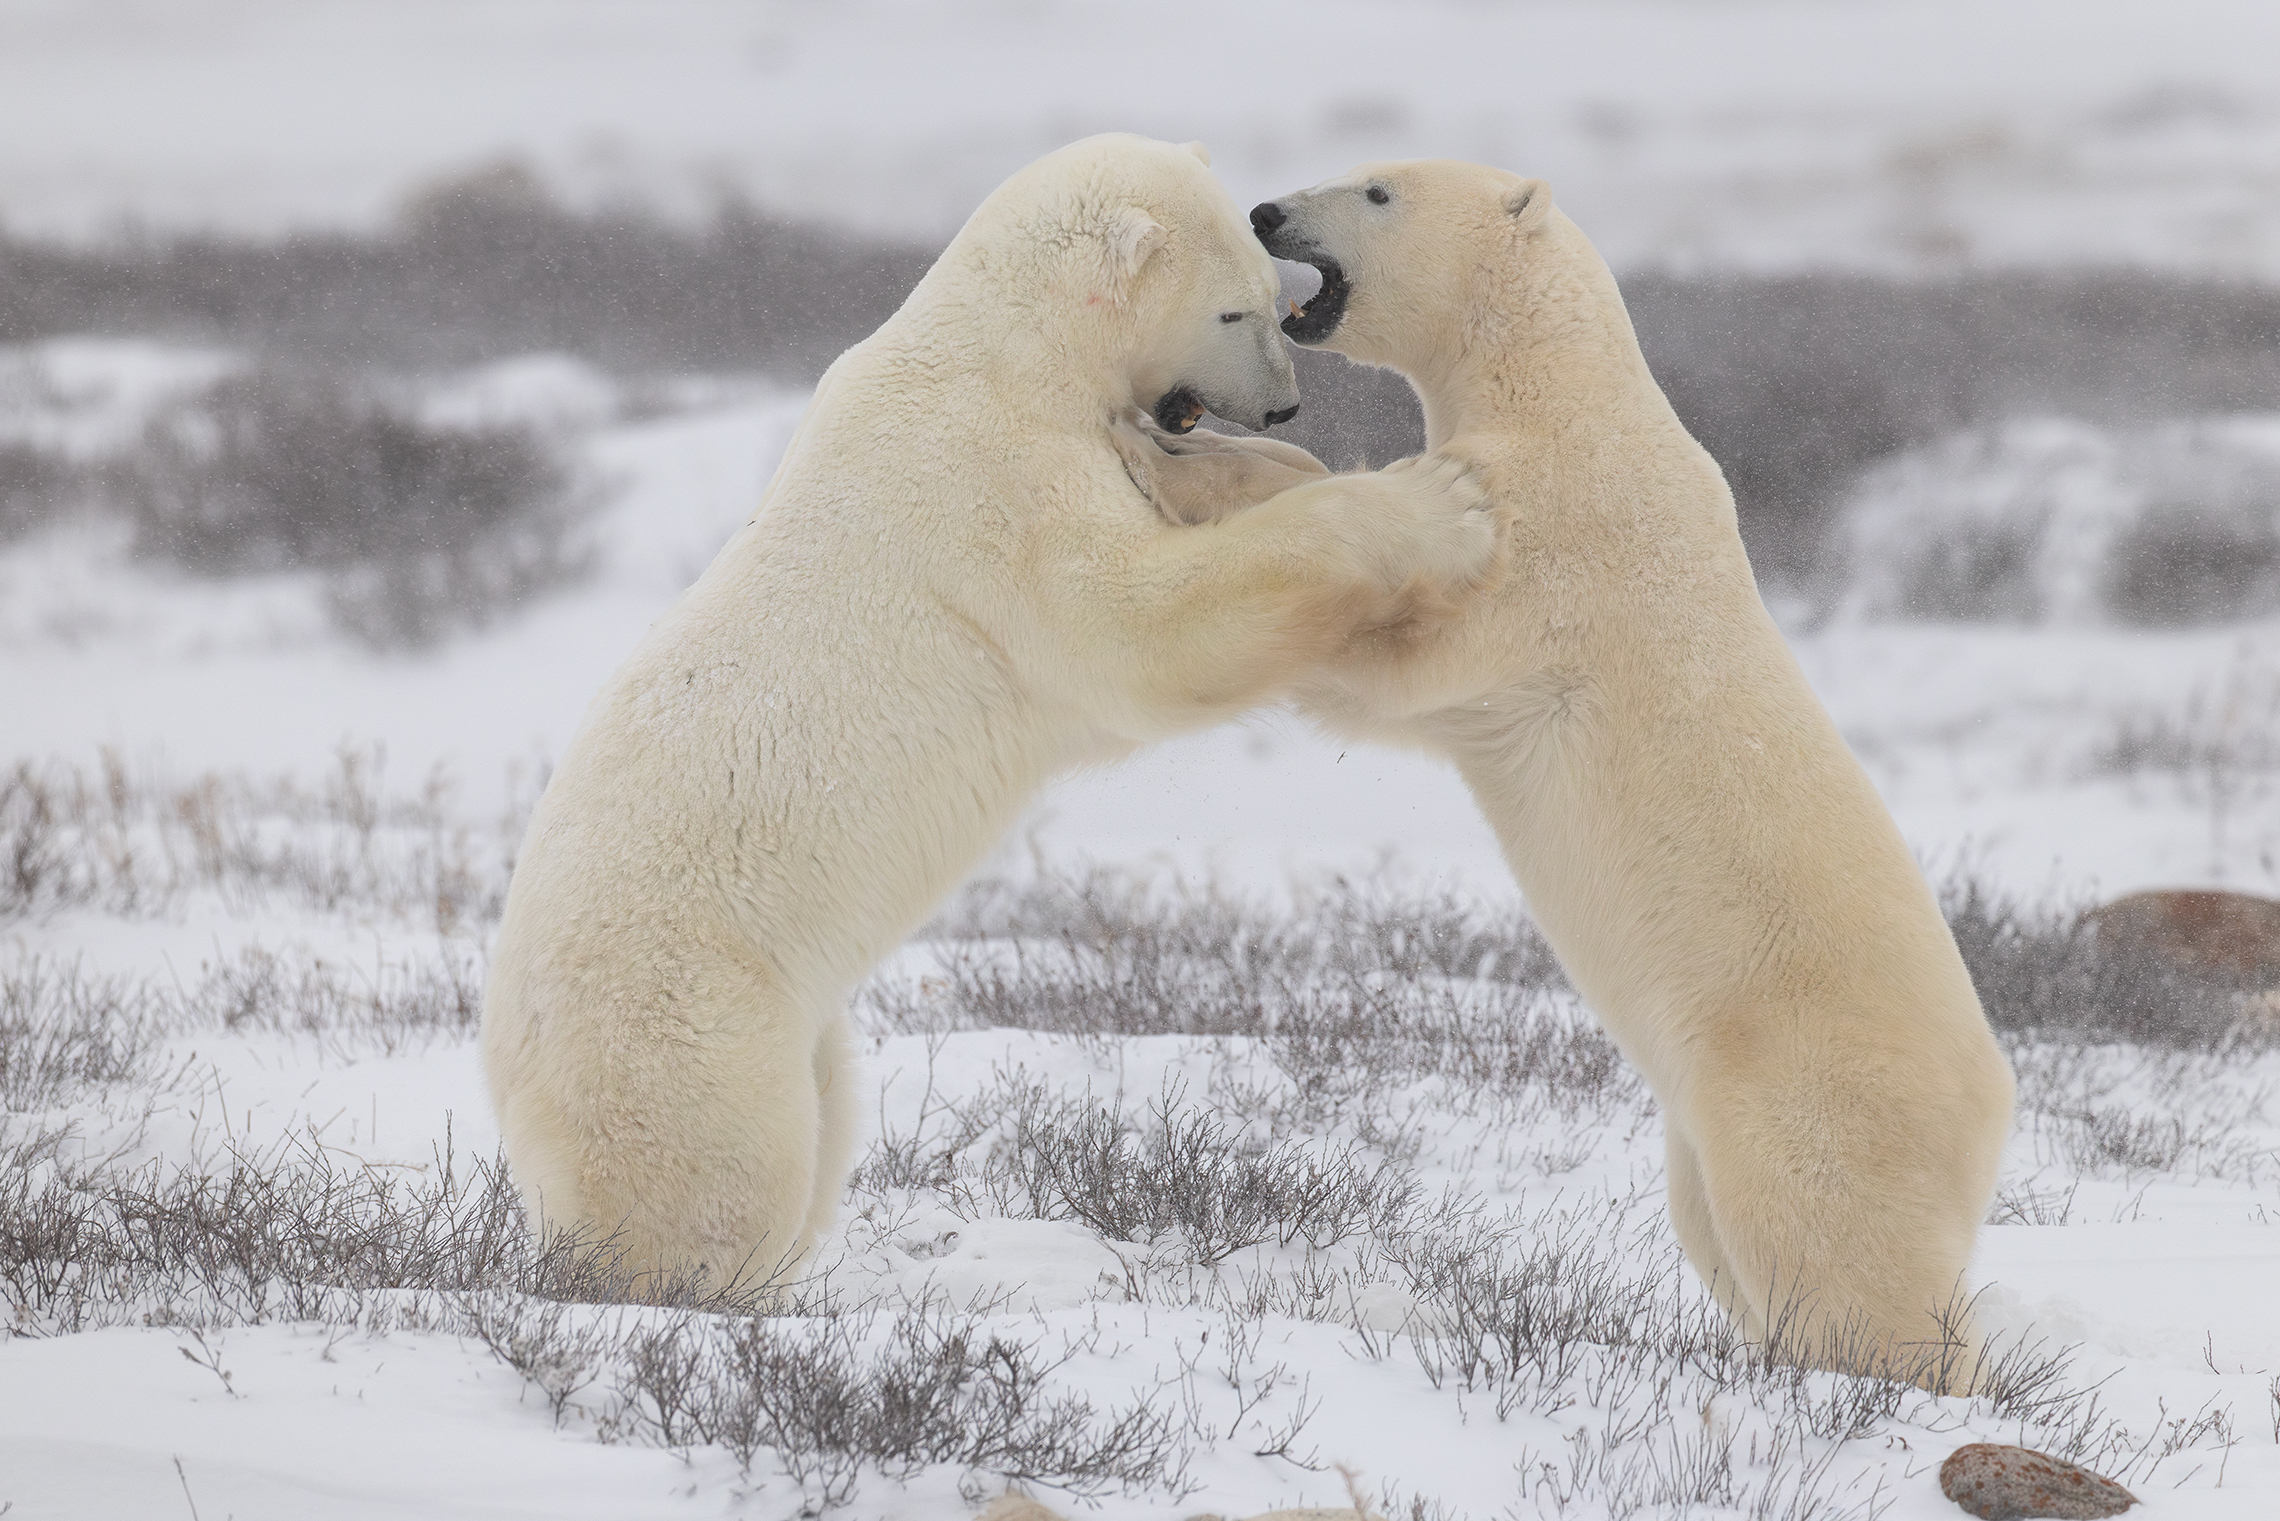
{"x":951,"y":593}
{"x":1714,"y":869}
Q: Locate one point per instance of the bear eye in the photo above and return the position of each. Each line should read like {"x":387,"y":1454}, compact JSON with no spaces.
{"x":1378,"y":195}
{"x":1231,"y":316}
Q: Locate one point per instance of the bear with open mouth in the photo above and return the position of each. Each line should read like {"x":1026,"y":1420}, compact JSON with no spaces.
{"x":1711,"y":864}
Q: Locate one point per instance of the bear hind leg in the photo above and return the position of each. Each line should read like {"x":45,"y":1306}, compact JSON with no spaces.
{"x":1842,"y":1266}
{"x":837,"y":1120}
{"x":703,"y":1164}
{"x":1691,"y":1218}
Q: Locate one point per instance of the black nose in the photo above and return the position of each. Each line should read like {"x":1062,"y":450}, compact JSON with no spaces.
{"x":1285,"y":415}
{"x":1266,"y":217}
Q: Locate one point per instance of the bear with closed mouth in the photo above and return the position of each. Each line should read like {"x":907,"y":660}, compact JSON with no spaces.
{"x":951,"y":593}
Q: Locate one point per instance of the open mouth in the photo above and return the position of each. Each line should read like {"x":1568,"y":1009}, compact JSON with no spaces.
{"x":1179,"y":410}
{"x":1318,"y":319}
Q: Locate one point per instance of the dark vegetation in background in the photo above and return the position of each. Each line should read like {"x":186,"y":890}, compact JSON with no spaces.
{"x":484,"y":268}
{"x":1794,"y":383}
{"x":1095,"y":956}
{"x":30,"y":483}
{"x":2043,"y":973}
{"x":418,"y":528}
{"x":2189,"y":562}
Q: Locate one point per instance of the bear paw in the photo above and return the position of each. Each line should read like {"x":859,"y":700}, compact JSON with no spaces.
{"x":1439,"y":530}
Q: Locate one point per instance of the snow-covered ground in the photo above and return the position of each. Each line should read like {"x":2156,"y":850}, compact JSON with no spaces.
{"x":290,"y":975}
{"x":309,"y":1016}
{"x":303,"y":960}
{"x":1896,"y":134}
{"x":1992,"y":742}
{"x":246,"y":943}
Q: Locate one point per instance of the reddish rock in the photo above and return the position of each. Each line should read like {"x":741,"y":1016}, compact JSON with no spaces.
{"x":2230,"y":935}
{"x":2012,"y":1483}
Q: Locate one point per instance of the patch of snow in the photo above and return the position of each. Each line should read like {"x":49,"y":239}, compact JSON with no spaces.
{"x":362,"y":1426}
{"x":553,"y":393}
{"x":2032,"y":521}
{"x":88,"y":398}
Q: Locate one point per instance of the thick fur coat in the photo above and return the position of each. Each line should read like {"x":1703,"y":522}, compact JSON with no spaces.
{"x":952,"y":593}
{"x":1714,"y":869}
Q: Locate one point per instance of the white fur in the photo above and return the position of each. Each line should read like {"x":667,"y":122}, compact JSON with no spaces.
{"x":951,"y":593}
{"x":1205,"y":477}
{"x":1715,"y":871}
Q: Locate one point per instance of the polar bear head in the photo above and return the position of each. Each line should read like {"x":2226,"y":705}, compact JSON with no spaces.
{"x":1151,"y":276}
{"x":1402,"y":249}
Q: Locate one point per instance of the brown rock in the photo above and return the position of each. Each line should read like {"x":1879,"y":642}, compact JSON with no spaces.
{"x":2235,"y":936}
{"x":2012,"y":1483}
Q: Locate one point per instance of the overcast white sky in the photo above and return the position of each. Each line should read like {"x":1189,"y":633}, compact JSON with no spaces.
{"x":1758,"y":132}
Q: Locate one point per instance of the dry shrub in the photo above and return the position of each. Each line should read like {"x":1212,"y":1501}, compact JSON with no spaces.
{"x":32,"y":482}
{"x":419,"y":528}
{"x":135,"y":841}
{"x":1795,"y":383}
{"x":2043,"y":973}
{"x":840,"y":1395}
{"x":1190,"y":1175}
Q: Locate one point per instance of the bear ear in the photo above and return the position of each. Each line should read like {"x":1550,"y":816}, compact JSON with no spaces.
{"x":1202,"y":154}
{"x":1132,"y":236}
{"x":1528,"y":202}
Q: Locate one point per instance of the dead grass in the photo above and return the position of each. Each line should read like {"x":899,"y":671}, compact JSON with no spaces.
{"x":134,"y":842}
{"x":283,"y":1234}
{"x":63,"y":1032}
{"x":845,"y":1395}
{"x":1352,"y":1030}
{"x":419,"y":529}
{"x":1187,"y":1173}
{"x":829,"y":1395}
{"x":2043,"y":974}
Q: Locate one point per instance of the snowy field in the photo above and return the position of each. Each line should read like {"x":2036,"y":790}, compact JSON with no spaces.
{"x":1992,"y":740}
{"x":250,"y":1224}
{"x":1236,"y":1144}
{"x":1113,"y":1231}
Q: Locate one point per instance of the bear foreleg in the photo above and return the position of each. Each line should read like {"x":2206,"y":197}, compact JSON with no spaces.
{"x":1847,"y":1251}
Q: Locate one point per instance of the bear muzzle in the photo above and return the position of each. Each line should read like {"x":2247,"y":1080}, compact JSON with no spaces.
{"x":1314,"y":322}
{"x":1179,"y":410}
